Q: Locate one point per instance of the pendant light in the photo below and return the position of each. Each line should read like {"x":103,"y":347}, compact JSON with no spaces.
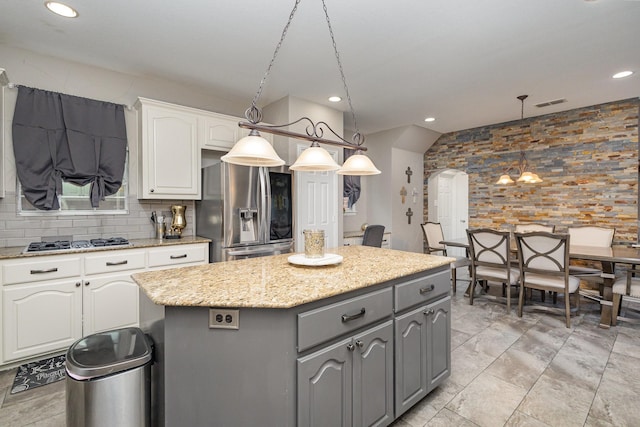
{"x":358,"y":164}
{"x":526,"y":176}
{"x":315,"y":158}
{"x":254,"y":150}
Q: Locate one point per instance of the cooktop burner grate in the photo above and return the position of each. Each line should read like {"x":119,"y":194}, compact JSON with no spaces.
{"x":61,"y":245}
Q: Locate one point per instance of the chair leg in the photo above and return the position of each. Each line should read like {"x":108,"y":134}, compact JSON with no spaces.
{"x":508,"y":285}
{"x":472,"y":286}
{"x":521,"y":299}
{"x":567,"y":308}
{"x":617,"y":300}
{"x":453,"y":279}
{"x":555,"y":298}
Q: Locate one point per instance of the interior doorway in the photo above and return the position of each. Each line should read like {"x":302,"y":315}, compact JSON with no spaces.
{"x":448,"y":204}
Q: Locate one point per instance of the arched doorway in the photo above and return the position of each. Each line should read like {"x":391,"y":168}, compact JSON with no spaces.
{"x":448,"y":204}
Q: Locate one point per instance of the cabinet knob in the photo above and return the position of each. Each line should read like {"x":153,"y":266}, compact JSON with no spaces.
{"x":87,"y":283}
{"x":359,"y":343}
{"x":351,"y":347}
{"x":152,"y":190}
{"x":428,"y":312}
{"x":78,"y":284}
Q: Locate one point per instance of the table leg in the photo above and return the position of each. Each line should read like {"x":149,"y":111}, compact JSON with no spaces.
{"x":607,"y":295}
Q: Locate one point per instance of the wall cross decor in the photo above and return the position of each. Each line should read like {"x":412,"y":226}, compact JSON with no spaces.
{"x":403,"y":194}
{"x":409,"y":172}
{"x":409,"y":214}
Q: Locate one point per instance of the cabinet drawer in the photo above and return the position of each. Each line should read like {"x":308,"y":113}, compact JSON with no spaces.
{"x":113,"y":262}
{"x":324,"y":323}
{"x":421,"y":290}
{"x":176,"y":255}
{"x":35,"y":270}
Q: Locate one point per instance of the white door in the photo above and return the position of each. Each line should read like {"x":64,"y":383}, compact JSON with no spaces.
{"x":100,"y":297}
{"x":449,"y":204}
{"x":317,"y":202}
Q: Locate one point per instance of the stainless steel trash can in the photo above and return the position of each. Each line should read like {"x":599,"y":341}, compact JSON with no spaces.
{"x":109,"y":380}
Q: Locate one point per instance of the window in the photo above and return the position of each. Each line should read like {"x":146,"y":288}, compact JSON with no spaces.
{"x":75,"y":200}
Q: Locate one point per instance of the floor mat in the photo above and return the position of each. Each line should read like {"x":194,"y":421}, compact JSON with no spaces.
{"x":35,"y":374}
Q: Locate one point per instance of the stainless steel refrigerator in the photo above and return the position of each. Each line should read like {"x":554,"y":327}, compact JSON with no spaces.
{"x":246,"y":211}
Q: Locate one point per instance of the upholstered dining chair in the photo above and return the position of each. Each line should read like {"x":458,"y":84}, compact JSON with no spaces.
{"x":433,"y":235}
{"x":544,"y":265}
{"x":527,"y":228}
{"x":490,"y":255}
{"x":373,"y":235}
{"x":625,"y":289}
{"x":590,"y":236}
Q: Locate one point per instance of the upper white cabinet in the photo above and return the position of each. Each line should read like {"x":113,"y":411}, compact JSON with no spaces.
{"x":219,"y":132}
{"x":169,"y":154}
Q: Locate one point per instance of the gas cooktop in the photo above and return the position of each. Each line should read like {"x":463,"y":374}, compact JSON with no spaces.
{"x":61,"y":245}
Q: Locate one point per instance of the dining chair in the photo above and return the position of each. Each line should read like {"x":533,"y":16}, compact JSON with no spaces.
{"x":527,"y":228}
{"x":433,"y":235}
{"x":544,"y":265}
{"x":625,"y":289}
{"x":373,"y":235}
{"x":490,"y":254}
{"x":590,"y":236}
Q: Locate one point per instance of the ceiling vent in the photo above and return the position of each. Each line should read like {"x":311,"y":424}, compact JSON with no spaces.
{"x":549,"y":103}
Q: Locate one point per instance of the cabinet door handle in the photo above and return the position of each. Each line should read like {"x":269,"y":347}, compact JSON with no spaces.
{"x":87,"y":283}
{"x":428,"y":312}
{"x":351,"y":347}
{"x":78,"y":284}
{"x":359,"y":343}
{"x":349,"y":317}
{"x":110,"y":263}
{"x":49,"y":270}
{"x":151,"y":190}
{"x":427,"y":289}
{"x":178,"y":256}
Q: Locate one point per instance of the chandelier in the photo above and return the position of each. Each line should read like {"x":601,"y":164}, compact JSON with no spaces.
{"x":525,"y":174}
{"x":254,"y":150}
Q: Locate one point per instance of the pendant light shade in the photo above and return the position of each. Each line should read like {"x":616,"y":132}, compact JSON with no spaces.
{"x":505,"y":179}
{"x":253,"y":150}
{"x":358,"y":164}
{"x":315,"y":158}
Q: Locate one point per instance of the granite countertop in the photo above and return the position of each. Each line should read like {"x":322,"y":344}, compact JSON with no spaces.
{"x":16,"y":251}
{"x":272,"y":282}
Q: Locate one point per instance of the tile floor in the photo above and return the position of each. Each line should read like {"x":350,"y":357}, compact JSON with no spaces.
{"x":506,"y":371}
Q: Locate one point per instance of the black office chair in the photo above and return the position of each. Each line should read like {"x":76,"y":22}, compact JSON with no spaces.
{"x":373,"y":236}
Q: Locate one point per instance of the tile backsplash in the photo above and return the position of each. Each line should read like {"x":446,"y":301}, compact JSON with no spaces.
{"x":18,"y":230}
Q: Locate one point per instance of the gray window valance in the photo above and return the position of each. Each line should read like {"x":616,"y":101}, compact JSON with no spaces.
{"x":351,"y":187}
{"x":60,"y":137}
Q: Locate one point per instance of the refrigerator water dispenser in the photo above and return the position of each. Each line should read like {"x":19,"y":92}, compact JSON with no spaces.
{"x":248,"y":227}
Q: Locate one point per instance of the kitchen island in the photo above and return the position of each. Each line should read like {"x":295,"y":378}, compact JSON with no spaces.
{"x":264,"y":342}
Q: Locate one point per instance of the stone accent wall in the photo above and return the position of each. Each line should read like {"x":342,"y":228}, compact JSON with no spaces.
{"x":587,"y":158}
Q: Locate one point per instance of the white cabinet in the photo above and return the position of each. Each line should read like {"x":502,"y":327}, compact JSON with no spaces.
{"x":169,"y":153}
{"x":49,"y":302}
{"x":219,"y":132}
{"x":41,"y":317}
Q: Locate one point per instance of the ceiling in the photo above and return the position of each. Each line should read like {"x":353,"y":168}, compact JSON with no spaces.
{"x":463,"y":62}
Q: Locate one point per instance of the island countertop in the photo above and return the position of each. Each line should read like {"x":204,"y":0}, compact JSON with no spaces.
{"x":272,"y":282}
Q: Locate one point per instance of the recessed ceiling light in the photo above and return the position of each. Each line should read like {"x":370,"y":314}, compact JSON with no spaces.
{"x":622,"y":74}
{"x":61,"y":9}
{"x":335,"y":99}
{"x":430,"y":119}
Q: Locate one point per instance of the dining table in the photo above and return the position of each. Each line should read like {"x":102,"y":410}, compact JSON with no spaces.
{"x":608,"y":257}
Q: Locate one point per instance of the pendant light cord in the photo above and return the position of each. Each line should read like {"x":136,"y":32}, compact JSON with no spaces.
{"x":358,"y":139}
{"x":253,"y":113}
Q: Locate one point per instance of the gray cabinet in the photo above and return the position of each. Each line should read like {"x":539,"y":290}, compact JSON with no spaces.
{"x":422,"y":338}
{"x":349,"y":382}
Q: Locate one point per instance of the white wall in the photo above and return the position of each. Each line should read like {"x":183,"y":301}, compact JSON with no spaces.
{"x":407,"y":237}
{"x":49,"y":73}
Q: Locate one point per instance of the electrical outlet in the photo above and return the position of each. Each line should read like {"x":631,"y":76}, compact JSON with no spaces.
{"x":224,"y":318}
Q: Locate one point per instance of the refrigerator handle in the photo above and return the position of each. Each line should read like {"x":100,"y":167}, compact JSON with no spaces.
{"x":265,"y":203}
